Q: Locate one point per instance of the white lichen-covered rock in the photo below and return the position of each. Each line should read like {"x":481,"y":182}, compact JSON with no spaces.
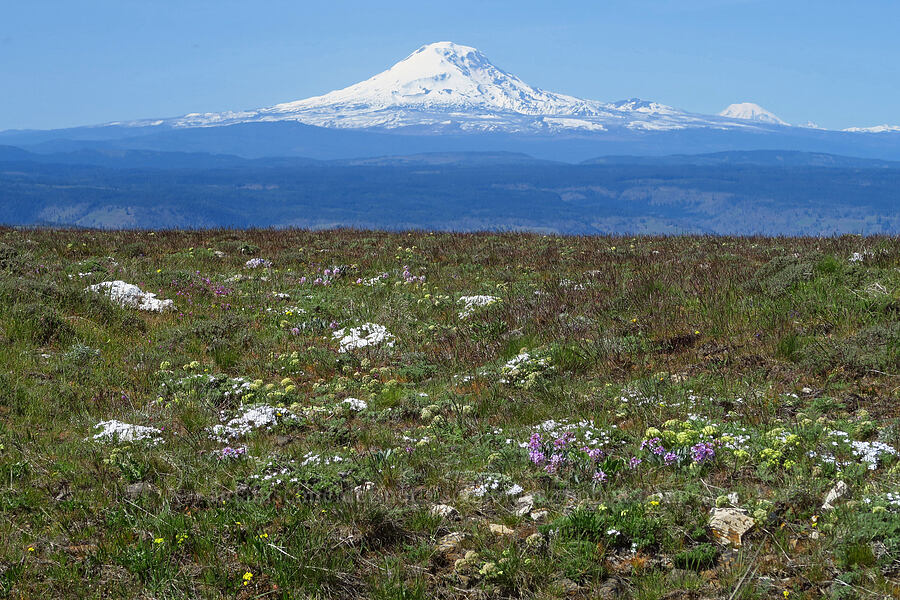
{"x":470,"y":303}
{"x":128,"y":295}
{"x":117,"y":431}
{"x":524,"y":505}
{"x":370,"y":334}
{"x":839,"y":489}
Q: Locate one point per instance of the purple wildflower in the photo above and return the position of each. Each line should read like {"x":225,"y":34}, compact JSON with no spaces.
{"x":231,"y":453}
{"x":670,"y":458}
{"x":702,"y":452}
{"x":595,"y":454}
{"x":556,"y":461}
{"x":600,"y":476}
{"x":634,"y":462}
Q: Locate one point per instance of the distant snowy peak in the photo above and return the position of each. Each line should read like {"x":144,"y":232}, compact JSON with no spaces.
{"x":749,"y":111}
{"x":448,"y":75}
{"x":876,"y":129}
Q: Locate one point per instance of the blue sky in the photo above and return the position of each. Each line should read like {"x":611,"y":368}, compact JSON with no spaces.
{"x":66,"y":63}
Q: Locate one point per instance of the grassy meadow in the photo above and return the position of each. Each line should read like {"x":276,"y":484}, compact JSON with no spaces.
{"x":355,"y":414}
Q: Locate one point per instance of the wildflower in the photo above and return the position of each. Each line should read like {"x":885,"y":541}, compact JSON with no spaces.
{"x":600,"y":476}
{"x":702,"y":452}
{"x":556,"y":461}
{"x":158,"y":540}
{"x":670,"y":458}
{"x":263,"y":536}
{"x":595,"y":454}
{"x":634,"y":462}
{"x":247,"y":577}
{"x":31,"y":548}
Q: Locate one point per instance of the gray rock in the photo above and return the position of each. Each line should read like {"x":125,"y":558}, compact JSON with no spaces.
{"x":140,"y":489}
{"x":449,"y":542}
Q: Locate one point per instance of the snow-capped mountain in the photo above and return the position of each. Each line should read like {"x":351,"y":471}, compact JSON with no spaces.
{"x":446,"y":87}
{"x":876,"y":129}
{"x":445,"y":97}
{"x":749,"y":111}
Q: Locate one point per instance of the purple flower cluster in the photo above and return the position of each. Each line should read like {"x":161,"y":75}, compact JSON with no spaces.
{"x":702,"y":452}
{"x":654,"y":445}
{"x":535,"y":449}
{"x":560,"y":452}
{"x":231,"y":453}
{"x":410,"y":278}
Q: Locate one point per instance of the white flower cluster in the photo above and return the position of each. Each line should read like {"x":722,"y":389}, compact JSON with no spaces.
{"x":355,"y":404}
{"x":313,"y":459}
{"x":493,"y":484}
{"x":370,"y":334}
{"x":117,"y":431}
{"x":254,"y":417}
{"x":472,"y":302}
{"x":258,"y":263}
{"x":525,"y":369}
{"x":585,"y":431}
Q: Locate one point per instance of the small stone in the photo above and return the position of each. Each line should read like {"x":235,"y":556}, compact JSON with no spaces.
{"x":568,"y":586}
{"x":282,"y":440}
{"x":139,"y":489}
{"x":219,"y":254}
{"x":445,"y":511}
{"x":839,"y":489}
{"x":540,"y":515}
{"x":498,"y":529}
{"x":524,"y":505}
{"x":449,"y":542}
{"x":609,"y":589}
{"x":729,"y":525}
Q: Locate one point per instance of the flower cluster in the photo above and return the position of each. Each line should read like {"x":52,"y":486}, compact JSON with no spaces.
{"x":470,"y":303}
{"x":257,"y":263}
{"x":525,"y":370}
{"x":369,"y":334}
{"x":563,"y":453}
{"x":229,"y":452}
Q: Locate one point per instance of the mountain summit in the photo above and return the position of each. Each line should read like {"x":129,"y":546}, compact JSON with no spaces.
{"x":448,"y":75}
{"x":446,"y":87}
{"x":749,"y":111}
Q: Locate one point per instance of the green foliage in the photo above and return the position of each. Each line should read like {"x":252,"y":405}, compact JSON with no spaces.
{"x":699,"y":558}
